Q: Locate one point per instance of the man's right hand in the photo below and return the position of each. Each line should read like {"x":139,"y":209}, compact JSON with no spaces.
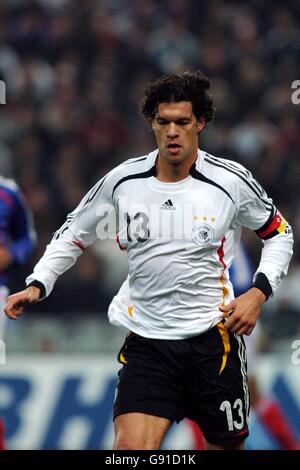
{"x":15,"y":302}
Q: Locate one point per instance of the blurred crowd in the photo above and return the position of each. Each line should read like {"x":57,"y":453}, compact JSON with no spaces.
{"x":75,"y":71}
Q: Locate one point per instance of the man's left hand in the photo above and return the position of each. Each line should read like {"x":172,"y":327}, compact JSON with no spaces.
{"x":242,"y":313}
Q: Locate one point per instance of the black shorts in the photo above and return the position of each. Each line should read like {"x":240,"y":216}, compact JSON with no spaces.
{"x":202,"y":378}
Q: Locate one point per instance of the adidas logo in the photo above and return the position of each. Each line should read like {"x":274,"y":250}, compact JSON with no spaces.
{"x":168,"y":206}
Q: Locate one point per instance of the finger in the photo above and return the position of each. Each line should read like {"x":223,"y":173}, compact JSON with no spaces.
{"x":235,"y":328}
{"x":14,"y":308}
{"x":14,"y":315}
{"x":10,"y":313}
{"x":248,"y":331}
{"x":228,"y":307}
{"x":241,"y":331}
{"x":243,"y":328}
{"x":227,"y":314}
{"x":234,"y":323}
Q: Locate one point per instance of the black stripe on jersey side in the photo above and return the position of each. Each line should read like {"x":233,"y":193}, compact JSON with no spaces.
{"x":59,"y":232}
{"x":240,"y":174}
{"x":267,"y":203}
{"x":105,"y":177}
{"x":199,"y":176}
{"x":243,"y":172}
{"x":62,"y":229}
{"x":70,"y":217}
{"x":232,"y":166}
{"x":65,"y":225}
{"x":238,"y":171}
{"x":96,"y":190}
{"x":135,"y":160}
{"x":228,"y":163}
{"x":145,"y":174}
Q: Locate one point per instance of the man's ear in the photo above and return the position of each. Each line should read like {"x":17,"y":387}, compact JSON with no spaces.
{"x":200,"y":125}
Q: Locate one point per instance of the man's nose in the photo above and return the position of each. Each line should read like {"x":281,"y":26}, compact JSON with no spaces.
{"x":172,"y":130}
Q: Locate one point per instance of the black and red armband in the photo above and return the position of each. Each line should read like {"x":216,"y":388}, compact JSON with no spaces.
{"x":272,"y":227}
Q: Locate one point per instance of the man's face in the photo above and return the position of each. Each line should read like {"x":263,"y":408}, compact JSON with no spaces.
{"x":176,"y":130}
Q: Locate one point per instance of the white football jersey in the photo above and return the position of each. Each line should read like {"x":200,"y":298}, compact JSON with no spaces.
{"x":180,"y":239}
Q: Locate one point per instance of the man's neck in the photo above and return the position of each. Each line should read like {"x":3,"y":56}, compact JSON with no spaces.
{"x":171,"y":173}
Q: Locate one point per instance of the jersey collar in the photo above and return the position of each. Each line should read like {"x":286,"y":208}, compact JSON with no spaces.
{"x":151,"y":159}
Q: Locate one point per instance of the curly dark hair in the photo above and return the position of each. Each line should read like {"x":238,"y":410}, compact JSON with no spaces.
{"x":175,"y":87}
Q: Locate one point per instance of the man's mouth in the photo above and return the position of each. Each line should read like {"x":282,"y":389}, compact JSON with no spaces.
{"x":173,"y":148}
